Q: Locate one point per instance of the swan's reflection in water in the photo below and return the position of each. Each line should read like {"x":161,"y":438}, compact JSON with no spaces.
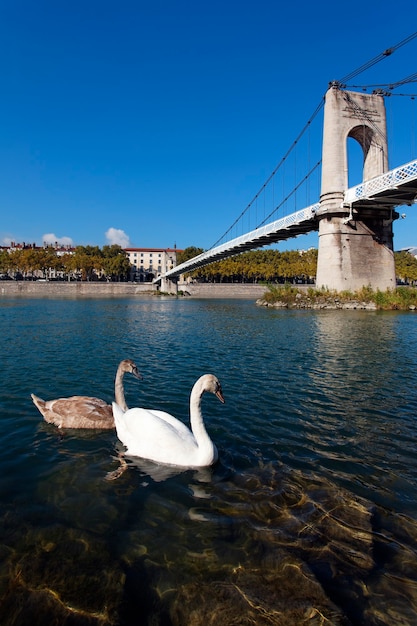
{"x":266,"y":546}
{"x":159,"y":473}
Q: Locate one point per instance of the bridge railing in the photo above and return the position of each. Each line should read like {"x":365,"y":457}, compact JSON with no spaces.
{"x":379,"y":184}
{"x":268,"y":229}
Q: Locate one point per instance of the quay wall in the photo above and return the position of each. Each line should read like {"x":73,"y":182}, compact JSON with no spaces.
{"x":223,"y":290}
{"x":39,"y":289}
{"x":52,"y":289}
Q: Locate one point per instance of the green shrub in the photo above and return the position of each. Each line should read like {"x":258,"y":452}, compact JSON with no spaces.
{"x":401,"y":298}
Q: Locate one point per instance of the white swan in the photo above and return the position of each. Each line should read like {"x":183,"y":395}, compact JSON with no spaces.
{"x":159,"y":436}
{"x":84,"y":411}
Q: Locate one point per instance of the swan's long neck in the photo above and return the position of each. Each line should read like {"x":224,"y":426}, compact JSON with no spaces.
{"x":119,"y":392}
{"x":196,"y":419}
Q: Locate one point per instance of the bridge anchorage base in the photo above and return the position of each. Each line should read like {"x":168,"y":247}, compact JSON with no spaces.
{"x":169,"y":286}
{"x":356,"y":253}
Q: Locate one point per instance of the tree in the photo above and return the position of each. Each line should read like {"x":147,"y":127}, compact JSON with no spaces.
{"x":188,"y":253}
{"x":256,"y":265}
{"x":5,"y":264}
{"x":45,"y":260}
{"x":115,"y":263}
{"x":27,"y":261}
{"x":310,"y":263}
{"x":405,"y":266}
{"x":87,"y":259}
{"x":16,"y":261}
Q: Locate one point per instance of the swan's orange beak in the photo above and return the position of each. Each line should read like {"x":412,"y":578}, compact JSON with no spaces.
{"x":219,"y":394}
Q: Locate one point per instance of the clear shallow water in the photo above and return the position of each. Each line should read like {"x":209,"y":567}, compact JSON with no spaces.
{"x":309,"y":517}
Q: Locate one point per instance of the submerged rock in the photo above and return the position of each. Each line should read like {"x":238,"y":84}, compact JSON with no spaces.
{"x":291,"y":541}
{"x":281,"y":591}
{"x":64,"y":576}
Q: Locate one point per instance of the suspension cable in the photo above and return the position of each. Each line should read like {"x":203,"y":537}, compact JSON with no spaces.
{"x":391,"y":86}
{"x":256,"y":196}
{"x":377,"y":59}
{"x":291,"y":193}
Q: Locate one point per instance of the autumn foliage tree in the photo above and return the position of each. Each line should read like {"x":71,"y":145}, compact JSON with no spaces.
{"x":260,"y":265}
{"x":115,"y":263}
{"x":406,"y":267}
{"x":90,"y":262}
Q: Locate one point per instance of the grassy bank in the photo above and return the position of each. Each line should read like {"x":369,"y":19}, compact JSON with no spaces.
{"x":402,"y":298}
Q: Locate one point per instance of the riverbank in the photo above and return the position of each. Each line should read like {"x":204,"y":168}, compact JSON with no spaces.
{"x":324,"y":303}
{"x":289,"y":297}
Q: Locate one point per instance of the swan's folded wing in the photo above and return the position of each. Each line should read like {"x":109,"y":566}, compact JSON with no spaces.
{"x":179,"y":426}
{"x":146,"y":434}
{"x":89,"y":408}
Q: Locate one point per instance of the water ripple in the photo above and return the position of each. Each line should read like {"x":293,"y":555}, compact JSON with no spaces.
{"x":309,"y":515}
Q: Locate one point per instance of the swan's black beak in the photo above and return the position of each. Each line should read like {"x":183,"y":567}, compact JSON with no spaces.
{"x":136,"y":373}
{"x":219,"y":394}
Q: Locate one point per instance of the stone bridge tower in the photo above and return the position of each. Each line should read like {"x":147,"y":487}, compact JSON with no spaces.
{"x":355,"y":246}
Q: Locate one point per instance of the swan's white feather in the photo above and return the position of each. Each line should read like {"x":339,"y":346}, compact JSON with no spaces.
{"x":148,"y":436}
{"x":159,"y":436}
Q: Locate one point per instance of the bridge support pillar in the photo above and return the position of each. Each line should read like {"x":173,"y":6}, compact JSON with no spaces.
{"x":169,"y":286}
{"x":355,"y":254}
{"x":355,"y":246}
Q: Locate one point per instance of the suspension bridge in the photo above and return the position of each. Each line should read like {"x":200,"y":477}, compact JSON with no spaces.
{"x":394,"y":188}
{"x":354,"y":223}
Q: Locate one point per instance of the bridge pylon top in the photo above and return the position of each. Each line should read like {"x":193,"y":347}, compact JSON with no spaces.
{"x":361,"y":117}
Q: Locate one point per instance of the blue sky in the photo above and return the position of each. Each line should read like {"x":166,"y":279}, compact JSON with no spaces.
{"x":155,"y":123}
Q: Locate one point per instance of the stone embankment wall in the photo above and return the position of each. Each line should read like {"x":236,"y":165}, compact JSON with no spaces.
{"x":39,"y":289}
{"x":223,"y":290}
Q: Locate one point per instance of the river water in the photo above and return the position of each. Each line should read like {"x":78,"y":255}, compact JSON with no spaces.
{"x":309,"y":516}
